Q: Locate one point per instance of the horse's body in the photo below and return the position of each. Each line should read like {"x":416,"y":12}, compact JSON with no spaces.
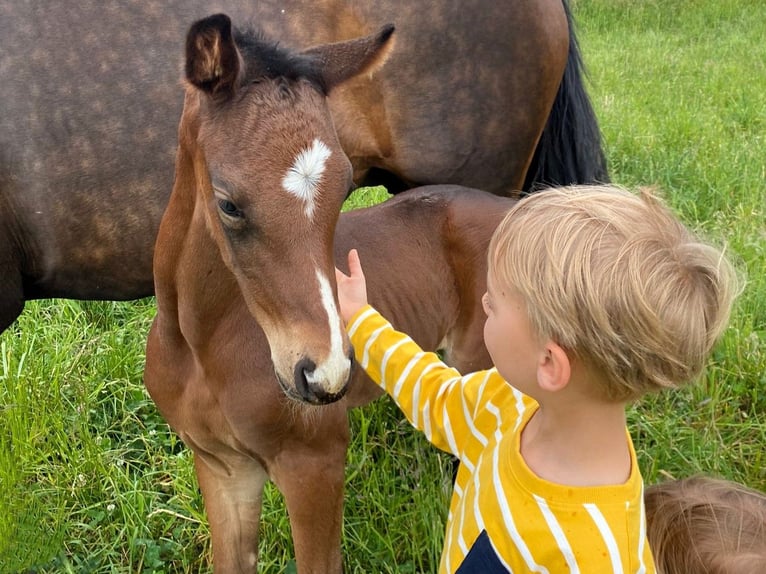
{"x":244,"y":277}
{"x":91,"y":99}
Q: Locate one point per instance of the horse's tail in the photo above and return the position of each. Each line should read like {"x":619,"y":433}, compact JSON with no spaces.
{"x":569,"y":150}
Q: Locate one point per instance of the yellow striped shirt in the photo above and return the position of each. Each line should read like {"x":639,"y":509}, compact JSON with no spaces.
{"x":502,"y":517}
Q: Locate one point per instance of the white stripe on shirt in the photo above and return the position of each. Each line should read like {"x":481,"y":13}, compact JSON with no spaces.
{"x":427,"y":420}
{"x":641,"y":535}
{"x":502,"y":500}
{"x":477,"y":516}
{"x":558,"y":534}
{"x":470,"y":421}
{"x":416,"y":401}
{"x":397,"y":388}
{"x":415,"y":414}
{"x":606,"y":534}
{"x":480,"y":394}
{"x":387,"y":355}
{"x":366,"y":355}
{"x":450,"y":435}
{"x":359,"y":320}
{"x":520,"y":408}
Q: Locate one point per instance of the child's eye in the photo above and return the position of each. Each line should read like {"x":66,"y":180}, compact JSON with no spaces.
{"x":486,"y":303}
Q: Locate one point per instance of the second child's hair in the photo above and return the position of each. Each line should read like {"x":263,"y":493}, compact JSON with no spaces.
{"x":703,"y":525}
{"x":616,"y":280}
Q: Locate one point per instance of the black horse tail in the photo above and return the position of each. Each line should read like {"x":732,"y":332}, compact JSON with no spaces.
{"x":569,"y":151}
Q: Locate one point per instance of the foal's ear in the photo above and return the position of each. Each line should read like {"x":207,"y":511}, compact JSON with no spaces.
{"x":212,"y":58}
{"x":343,"y":60}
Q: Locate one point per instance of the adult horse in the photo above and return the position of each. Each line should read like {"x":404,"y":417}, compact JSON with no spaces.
{"x":91,"y":99}
{"x":244,"y":277}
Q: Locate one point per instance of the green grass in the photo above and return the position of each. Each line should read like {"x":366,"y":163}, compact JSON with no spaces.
{"x":680,"y":91}
{"x":91,"y":479}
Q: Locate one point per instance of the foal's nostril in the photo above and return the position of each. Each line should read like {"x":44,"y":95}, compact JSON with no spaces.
{"x":303,"y":370}
{"x":310,"y":386}
{"x":310,"y":391}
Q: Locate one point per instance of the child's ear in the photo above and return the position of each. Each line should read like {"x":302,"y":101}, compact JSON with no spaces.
{"x":554,"y":368}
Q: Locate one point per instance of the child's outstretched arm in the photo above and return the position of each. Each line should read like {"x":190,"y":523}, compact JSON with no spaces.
{"x":433,"y":396}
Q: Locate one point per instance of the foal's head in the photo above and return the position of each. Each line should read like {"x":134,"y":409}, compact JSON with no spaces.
{"x":270,"y":175}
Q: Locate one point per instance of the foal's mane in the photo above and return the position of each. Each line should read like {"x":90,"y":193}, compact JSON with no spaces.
{"x":264,"y":58}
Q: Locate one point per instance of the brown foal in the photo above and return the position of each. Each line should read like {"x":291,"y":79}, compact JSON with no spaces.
{"x":247,"y":358}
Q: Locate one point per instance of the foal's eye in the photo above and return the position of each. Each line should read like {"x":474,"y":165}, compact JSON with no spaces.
{"x":228,"y":208}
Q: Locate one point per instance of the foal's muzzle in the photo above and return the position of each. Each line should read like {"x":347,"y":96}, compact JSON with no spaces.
{"x":307,"y":387}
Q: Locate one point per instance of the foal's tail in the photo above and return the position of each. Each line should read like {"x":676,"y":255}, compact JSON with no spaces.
{"x":569,"y":151}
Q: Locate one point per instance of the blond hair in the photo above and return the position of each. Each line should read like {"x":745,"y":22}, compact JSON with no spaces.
{"x":618,"y":281}
{"x":703,"y":525}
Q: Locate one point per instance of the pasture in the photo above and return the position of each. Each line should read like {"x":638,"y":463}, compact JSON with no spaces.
{"x":92,"y":480}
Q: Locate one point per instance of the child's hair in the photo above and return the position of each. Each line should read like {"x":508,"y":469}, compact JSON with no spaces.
{"x":616,"y":280}
{"x":702,"y":525}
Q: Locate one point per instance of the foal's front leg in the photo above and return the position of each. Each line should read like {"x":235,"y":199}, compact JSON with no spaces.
{"x":310,"y":473}
{"x":233,"y":498}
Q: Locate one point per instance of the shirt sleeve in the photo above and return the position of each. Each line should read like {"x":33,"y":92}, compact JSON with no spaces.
{"x":434,"y":397}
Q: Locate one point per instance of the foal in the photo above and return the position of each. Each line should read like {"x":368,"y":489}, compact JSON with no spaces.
{"x":244,"y":278}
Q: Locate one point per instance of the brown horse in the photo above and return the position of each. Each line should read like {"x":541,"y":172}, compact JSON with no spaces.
{"x":91,"y":101}
{"x":245,"y":285}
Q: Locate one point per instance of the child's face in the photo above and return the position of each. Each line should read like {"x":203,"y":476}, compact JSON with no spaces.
{"x":509,"y":338}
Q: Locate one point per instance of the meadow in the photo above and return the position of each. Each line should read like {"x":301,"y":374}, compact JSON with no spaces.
{"x":93,"y":481}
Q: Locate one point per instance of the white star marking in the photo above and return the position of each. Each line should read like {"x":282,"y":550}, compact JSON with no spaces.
{"x":302,"y":179}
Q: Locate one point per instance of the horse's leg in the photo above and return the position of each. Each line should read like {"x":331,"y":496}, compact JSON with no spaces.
{"x":233,"y":497}
{"x":11,"y":294}
{"x":11,"y":282}
{"x":310,"y":475}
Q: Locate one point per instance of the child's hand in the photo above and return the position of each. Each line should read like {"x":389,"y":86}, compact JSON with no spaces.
{"x":352,"y":289}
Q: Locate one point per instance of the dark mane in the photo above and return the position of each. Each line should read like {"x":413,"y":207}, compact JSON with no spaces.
{"x":265,"y":58}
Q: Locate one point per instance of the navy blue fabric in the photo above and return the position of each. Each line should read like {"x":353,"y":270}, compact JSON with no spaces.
{"x":482,"y":558}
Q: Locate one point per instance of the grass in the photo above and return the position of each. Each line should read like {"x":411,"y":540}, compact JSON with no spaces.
{"x":679,"y":90}
{"x":91,"y":479}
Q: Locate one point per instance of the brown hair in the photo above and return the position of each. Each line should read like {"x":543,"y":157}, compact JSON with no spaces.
{"x":617,"y":280}
{"x":703,"y":525}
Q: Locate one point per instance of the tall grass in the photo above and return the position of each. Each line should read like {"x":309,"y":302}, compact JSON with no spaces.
{"x":92,"y":480}
{"x":678,"y":87}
